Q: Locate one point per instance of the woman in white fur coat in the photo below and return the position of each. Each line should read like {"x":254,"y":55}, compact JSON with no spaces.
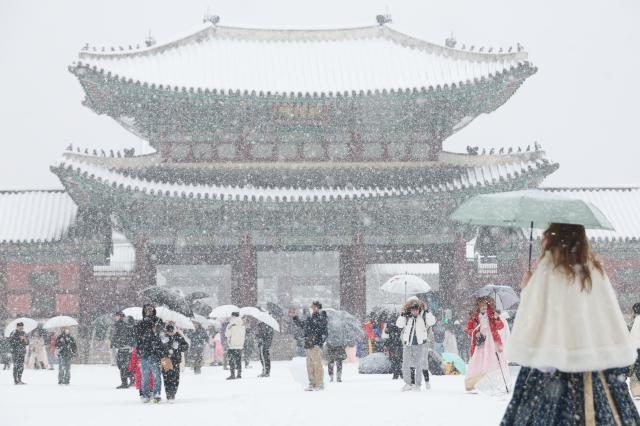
{"x":571,"y":340}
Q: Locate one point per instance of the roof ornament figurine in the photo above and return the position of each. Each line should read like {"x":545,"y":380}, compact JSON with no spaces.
{"x":213,"y":19}
{"x":450,"y":42}
{"x":384,"y":19}
{"x":149,"y":41}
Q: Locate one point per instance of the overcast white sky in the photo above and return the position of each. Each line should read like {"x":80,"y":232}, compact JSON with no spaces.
{"x":582,"y":105}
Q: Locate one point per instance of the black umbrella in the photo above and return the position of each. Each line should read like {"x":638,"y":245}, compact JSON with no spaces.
{"x":344,"y":329}
{"x":172,"y":299}
{"x":275,"y":310}
{"x":191,"y":297}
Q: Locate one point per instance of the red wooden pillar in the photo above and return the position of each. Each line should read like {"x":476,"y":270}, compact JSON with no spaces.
{"x":353,"y":286}
{"x":4,"y":308}
{"x":244,"y":274}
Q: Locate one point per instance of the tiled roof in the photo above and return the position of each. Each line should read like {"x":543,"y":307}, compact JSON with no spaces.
{"x":471,"y":177}
{"x":35,"y":216}
{"x":620,"y":205}
{"x":301,"y":61}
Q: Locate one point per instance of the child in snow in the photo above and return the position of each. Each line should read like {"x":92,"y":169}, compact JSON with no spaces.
{"x":571,"y":339}
{"x":174,"y":345}
{"x":487,"y":343}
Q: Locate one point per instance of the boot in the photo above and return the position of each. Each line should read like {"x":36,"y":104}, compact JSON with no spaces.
{"x":339,"y":378}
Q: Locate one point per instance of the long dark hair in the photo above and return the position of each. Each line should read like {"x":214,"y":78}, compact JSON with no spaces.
{"x":570,"y":251}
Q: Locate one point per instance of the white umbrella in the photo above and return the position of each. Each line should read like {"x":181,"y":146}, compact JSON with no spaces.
{"x":60,"y":321}
{"x":134,"y":311}
{"x":406,"y":284}
{"x":180,"y":321}
{"x":205,"y":322}
{"x":260,"y":316}
{"x":223,"y":311}
{"x":29,"y":325}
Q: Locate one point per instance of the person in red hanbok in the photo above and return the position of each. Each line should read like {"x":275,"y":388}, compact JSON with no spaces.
{"x":487,"y":343}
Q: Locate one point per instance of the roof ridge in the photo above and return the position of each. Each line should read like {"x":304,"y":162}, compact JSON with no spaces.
{"x":302,"y":35}
{"x":22,"y":191}
{"x":589,"y":188}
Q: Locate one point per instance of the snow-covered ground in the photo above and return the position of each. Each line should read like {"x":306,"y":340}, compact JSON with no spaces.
{"x":370,"y":400}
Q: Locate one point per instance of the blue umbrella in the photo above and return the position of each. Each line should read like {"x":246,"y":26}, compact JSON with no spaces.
{"x":458,"y":363}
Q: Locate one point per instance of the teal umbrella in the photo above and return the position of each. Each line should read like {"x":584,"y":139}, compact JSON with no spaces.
{"x":529,"y":208}
{"x":458,"y":363}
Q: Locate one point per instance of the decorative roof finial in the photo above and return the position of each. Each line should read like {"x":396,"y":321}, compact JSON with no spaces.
{"x":213,"y":19}
{"x":150,"y":41}
{"x":384,"y":19}
{"x":450,"y":42}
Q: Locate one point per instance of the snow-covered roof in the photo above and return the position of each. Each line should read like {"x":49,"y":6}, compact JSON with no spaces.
{"x":471,"y":177}
{"x":620,"y":205}
{"x":35,"y":216}
{"x":305,"y":61}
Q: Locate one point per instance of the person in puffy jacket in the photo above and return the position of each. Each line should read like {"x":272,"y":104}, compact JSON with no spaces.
{"x":415,"y":322}
{"x":236,"y":332}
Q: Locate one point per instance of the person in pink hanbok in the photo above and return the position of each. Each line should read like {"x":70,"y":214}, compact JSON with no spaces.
{"x":487,"y":343}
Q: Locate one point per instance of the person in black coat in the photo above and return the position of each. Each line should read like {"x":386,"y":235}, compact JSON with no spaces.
{"x":264,"y":337}
{"x":199,"y":338}
{"x":393,"y":345}
{"x":315,"y":334}
{"x":174,"y":346}
{"x":18,"y":341}
{"x":150,"y":350}
{"x":67,"y":350}
{"x":122,"y":339}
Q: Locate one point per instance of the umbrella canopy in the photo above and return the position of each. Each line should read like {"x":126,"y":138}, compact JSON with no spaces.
{"x":29,"y":325}
{"x":386,"y":311}
{"x":197,"y":295}
{"x":529,"y":208}
{"x":172,"y":299}
{"x":223,"y":311}
{"x":274,"y":309}
{"x":504,"y":296}
{"x":260,"y":316}
{"x":517,"y":209}
{"x":457,"y":362}
{"x":60,"y":321}
{"x":406,"y":284}
{"x":180,"y":321}
{"x":343,"y":328}
{"x":135,"y":312}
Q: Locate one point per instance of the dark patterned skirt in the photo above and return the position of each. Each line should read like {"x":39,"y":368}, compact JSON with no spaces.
{"x":596,"y":398}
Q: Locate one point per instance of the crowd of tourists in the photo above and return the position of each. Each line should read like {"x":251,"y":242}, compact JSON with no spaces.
{"x":568,"y":335}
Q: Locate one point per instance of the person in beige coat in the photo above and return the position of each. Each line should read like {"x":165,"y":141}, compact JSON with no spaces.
{"x":37,"y":352}
{"x":236,"y":333}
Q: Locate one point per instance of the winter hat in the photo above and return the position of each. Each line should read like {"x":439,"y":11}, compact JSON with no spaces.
{"x":20,"y":324}
{"x":120,"y":314}
{"x":235,"y":314}
{"x":317,"y":304}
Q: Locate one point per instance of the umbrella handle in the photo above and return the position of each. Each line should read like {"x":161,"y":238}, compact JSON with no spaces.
{"x":530,"y":244}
